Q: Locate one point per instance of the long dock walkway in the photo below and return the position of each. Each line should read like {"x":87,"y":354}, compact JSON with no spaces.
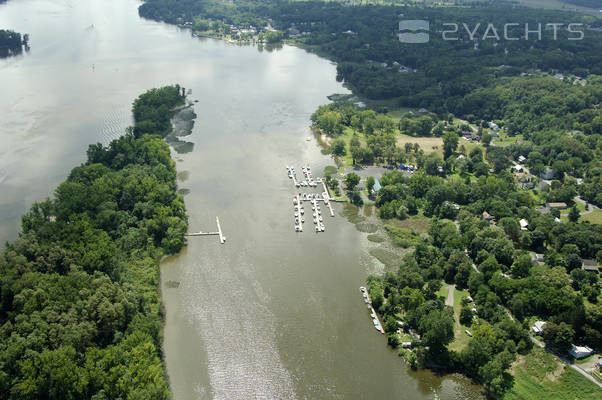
{"x":222,"y":238}
{"x":329,"y":198}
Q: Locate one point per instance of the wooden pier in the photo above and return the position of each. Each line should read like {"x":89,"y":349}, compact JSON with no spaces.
{"x":222,"y":238}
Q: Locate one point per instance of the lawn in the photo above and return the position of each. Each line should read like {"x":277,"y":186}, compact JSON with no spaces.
{"x":540,"y":376}
{"x":416,"y":223}
{"x":428,"y":144}
{"x":460,"y":337}
{"x":594,"y":217}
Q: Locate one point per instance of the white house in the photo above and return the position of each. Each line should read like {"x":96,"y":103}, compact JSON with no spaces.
{"x":523,"y":224}
{"x":538,"y":327}
{"x":521,"y":159}
{"x":580,"y":351}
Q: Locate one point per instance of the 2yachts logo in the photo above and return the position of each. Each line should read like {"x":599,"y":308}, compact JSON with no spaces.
{"x":413,"y":25}
{"x":410,"y":31}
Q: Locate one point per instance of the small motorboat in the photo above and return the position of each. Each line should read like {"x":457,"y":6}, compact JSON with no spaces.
{"x":362,"y":289}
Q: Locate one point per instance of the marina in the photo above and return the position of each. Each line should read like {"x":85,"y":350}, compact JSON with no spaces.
{"x":313,"y":198}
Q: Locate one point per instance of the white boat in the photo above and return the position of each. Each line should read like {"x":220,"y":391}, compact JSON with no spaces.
{"x":320,"y":219}
{"x":376,"y":324}
{"x":302,"y":219}
{"x":322,"y":228}
{"x":296,"y":214}
{"x":302,"y":211}
{"x":315,"y":221}
{"x":362,"y":289}
{"x":298,"y":228}
{"x":317,"y":230}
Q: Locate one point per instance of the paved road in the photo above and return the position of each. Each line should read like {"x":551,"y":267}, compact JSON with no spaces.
{"x":450,"y":296}
{"x":590,"y":208}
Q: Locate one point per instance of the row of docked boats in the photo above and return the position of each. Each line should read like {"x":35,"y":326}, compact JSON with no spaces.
{"x":373,"y":315}
{"x":299,"y":211}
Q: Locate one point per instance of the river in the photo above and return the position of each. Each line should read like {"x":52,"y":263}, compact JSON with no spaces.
{"x":270,"y":314}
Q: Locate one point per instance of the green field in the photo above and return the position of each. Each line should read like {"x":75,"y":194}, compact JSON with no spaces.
{"x":594,"y":217}
{"x":540,"y":376}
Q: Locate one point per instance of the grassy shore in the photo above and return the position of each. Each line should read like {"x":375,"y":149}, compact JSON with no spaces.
{"x":540,"y":376}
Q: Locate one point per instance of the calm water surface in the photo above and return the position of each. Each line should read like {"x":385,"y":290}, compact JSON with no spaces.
{"x":271,"y":314}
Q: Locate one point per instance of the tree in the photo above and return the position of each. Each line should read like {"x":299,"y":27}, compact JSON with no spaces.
{"x":337,"y":147}
{"x":574,"y":214}
{"x":370,"y":184}
{"x":558,"y":336}
{"x":521,"y":266}
{"x":466,"y":316}
{"x":352,"y":180}
{"x":573,"y":261}
{"x":450,"y":143}
{"x":437,"y":328}
{"x":356,"y":198}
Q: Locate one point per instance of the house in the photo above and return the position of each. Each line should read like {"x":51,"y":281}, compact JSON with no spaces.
{"x":538,"y":327}
{"x":538,"y":258}
{"x":521,"y":159}
{"x":494,"y":126}
{"x":580,"y":351}
{"x":523,"y":224}
{"x":377,"y":186}
{"x":547,"y":173}
{"x":556,"y":206}
{"x":517,"y":168}
{"x":486,"y":216}
{"x":590,"y":266}
{"x":406,"y":345}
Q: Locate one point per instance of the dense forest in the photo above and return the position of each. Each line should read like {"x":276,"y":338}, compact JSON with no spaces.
{"x":11,"y":42}
{"x":80,"y":311}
